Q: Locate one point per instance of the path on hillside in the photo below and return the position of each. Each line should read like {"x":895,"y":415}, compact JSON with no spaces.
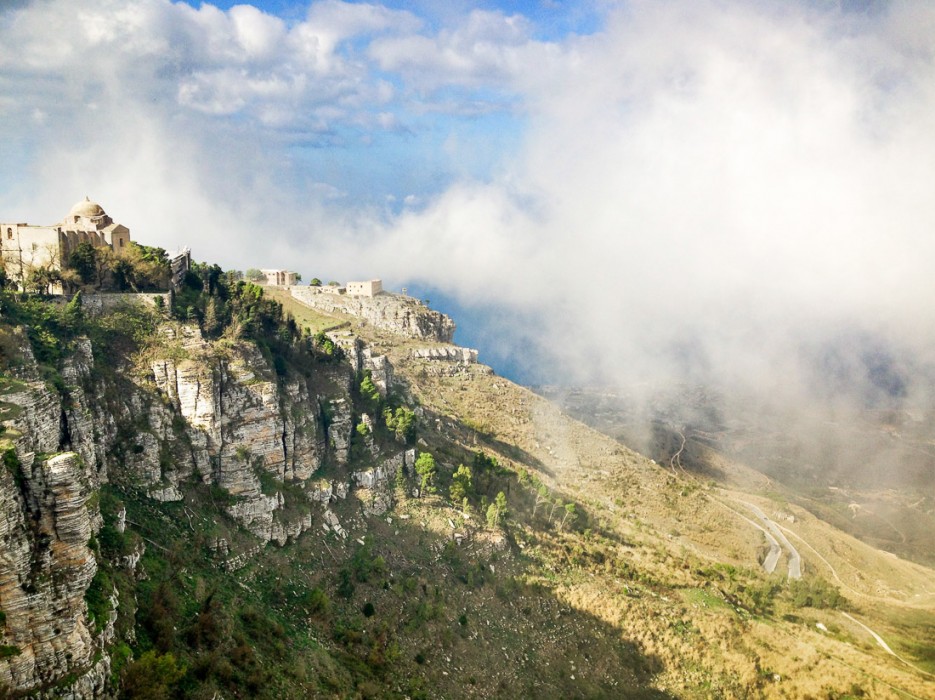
{"x":885,"y":646}
{"x":795,"y":560}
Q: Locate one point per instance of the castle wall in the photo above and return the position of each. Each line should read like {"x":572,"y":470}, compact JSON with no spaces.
{"x":24,"y":247}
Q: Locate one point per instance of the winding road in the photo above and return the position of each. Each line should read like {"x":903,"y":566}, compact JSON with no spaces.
{"x":776,"y":536}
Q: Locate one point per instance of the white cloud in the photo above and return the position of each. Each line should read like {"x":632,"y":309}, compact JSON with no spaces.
{"x":705,"y":173}
{"x":486,"y":48}
{"x":717,"y":173}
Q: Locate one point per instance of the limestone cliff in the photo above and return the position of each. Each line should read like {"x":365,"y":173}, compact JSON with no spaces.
{"x":403,"y":315}
{"x":191,"y":411}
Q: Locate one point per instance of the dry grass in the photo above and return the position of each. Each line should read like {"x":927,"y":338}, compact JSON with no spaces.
{"x":671,"y":529}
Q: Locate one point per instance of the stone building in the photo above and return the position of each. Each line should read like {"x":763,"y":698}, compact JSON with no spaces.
{"x":24,"y":248}
{"x":365,"y":289}
{"x":280,"y":278}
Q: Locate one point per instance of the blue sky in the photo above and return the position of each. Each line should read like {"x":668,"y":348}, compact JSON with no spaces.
{"x":634,"y":175}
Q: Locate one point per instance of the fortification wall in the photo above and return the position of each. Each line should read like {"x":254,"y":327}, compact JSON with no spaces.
{"x":398,"y":314}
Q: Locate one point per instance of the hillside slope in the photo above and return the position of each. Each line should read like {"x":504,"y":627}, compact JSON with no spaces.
{"x":226,"y":504}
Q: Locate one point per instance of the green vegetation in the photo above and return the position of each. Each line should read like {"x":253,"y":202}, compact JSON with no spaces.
{"x":814,"y":592}
{"x":369,"y":392}
{"x":497,"y":512}
{"x":137,"y":268}
{"x":461,"y":486}
{"x":8,"y":650}
{"x":427,"y":471}
{"x":416,"y":602}
{"x":401,"y":421}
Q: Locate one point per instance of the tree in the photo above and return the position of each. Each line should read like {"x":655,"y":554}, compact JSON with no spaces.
{"x":571,"y":514}
{"x":214,"y":320}
{"x":460,"y":484}
{"x":324,"y":344}
{"x":315,"y":282}
{"x":254,"y":275}
{"x":497,"y":512}
{"x":104,"y":260}
{"x":557,"y":503}
{"x":402,"y":422}
{"x":298,"y":277}
{"x":369,"y":391}
{"x":40,"y":279}
{"x":542,"y":496}
{"x":83,"y":260}
{"x":426,"y":468}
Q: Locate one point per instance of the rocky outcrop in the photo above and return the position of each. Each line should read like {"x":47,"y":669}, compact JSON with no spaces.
{"x":46,"y":522}
{"x":247,"y":426}
{"x":210,"y":412}
{"x":362,"y":359}
{"x":340,"y":423}
{"x":447,"y":353}
{"x":374,"y":487}
{"x":391,"y":312}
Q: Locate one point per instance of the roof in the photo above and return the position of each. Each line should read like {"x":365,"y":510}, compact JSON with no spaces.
{"x":87,"y":208}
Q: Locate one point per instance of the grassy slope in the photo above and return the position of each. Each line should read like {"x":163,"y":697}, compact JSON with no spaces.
{"x":652,"y":592}
{"x":678,"y":527}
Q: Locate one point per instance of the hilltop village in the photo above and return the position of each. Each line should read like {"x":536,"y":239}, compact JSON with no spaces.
{"x":89,"y":251}
{"x":39,"y":258}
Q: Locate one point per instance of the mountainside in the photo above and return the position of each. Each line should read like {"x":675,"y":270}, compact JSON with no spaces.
{"x":228,"y":499}
{"x":867,"y":470}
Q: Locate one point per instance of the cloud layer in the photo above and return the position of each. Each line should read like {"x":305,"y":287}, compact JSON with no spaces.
{"x":695,"y":190}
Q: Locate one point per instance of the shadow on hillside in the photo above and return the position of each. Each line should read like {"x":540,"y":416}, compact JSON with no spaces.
{"x":411,"y":612}
{"x":466,"y":623}
{"x":514,"y":453}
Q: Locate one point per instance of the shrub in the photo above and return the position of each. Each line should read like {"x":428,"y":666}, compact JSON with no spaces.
{"x":316,"y":601}
{"x":97,"y":598}
{"x":426,"y":468}
{"x":154,"y":677}
{"x":814,"y":592}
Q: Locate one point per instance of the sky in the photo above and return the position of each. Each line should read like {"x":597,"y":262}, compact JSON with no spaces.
{"x":615,"y":191}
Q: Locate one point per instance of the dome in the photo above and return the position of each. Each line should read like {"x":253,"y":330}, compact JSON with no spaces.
{"x":87,"y":208}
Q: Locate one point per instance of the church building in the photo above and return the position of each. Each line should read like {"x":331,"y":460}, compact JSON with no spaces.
{"x":25,"y":248}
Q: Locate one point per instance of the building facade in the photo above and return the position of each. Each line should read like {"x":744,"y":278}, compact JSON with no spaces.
{"x":25,"y":248}
{"x":365,"y":289}
{"x":280,"y":278}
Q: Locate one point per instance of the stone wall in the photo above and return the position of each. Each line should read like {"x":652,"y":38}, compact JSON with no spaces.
{"x":103,"y":302}
{"x":398,"y":314}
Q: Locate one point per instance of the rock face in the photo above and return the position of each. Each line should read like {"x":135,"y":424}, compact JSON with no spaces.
{"x":248,"y":428}
{"x":46,"y":522}
{"x":362,"y":359}
{"x":399,"y":314}
{"x":47,"y":519}
{"x":449,"y":353}
{"x":215,"y":413}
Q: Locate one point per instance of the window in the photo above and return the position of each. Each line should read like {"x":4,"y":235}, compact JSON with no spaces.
{"x":9,"y":234}
{"x":121,"y":243}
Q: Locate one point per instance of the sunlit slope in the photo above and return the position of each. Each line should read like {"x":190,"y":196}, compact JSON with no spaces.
{"x":681,"y":533}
